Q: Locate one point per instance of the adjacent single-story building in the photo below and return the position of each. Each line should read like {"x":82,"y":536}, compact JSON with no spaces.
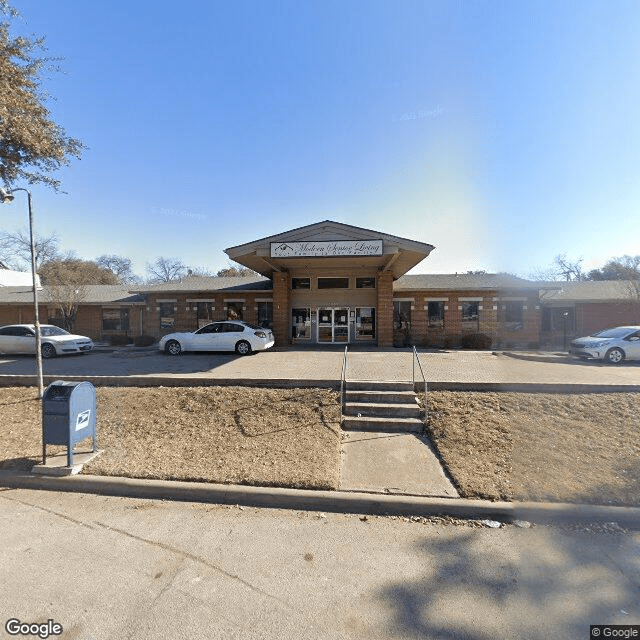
{"x":332,"y":283}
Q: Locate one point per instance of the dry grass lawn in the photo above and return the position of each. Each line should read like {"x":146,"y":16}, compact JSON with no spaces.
{"x":529,"y":446}
{"x":272,"y":437}
{"x":510,"y":446}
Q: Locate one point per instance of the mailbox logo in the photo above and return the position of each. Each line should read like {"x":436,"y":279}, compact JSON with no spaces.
{"x":83,"y":420}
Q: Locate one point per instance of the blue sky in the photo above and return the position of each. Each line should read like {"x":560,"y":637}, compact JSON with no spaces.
{"x":502,"y":133}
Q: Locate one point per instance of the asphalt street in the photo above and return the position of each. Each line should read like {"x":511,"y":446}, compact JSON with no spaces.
{"x":105,"y":567}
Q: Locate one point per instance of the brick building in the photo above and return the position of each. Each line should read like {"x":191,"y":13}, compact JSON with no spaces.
{"x":331,"y":283}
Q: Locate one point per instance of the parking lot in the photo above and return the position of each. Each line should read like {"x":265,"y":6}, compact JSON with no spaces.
{"x":326,"y":365}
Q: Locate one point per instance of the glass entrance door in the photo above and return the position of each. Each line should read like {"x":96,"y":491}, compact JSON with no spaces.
{"x":333,"y":325}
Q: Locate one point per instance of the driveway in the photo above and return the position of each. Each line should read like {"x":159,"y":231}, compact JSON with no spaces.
{"x":326,"y":365}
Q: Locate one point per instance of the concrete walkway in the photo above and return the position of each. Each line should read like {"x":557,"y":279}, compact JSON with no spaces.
{"x":394,"y":463}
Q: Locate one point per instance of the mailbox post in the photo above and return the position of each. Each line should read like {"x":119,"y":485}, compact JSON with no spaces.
{"x":68,"y":416}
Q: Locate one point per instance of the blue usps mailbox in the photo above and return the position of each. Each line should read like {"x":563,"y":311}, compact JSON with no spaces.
{"x":68,"y":416}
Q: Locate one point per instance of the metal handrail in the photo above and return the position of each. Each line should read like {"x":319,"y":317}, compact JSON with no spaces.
{"x":343,"y":379}
{"x":416,"y":358}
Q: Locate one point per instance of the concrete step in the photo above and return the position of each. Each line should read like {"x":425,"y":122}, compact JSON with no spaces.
{"x":386,"y":425}
{"x":382,"y":409}
{"x":377,"y":385}
{"x":379,"y":396}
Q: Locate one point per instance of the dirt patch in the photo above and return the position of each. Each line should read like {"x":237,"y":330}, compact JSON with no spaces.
{"x":270,"y":437}
{"x":527,"y":446}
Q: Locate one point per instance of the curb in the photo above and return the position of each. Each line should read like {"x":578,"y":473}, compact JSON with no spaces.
{"x":153,"y":380}
{"x":331,"y":501}
{"x":533,"y":357}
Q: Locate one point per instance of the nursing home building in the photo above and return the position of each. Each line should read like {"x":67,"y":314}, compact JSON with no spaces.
{"x":335,"y":284}
{"x":332,"y":283}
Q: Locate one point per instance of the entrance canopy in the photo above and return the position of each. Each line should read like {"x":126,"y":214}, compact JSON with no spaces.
{"x":330,"y":243}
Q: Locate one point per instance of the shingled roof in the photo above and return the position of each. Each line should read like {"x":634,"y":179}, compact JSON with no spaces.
{"x":93,"y":294}
{"x":461,"y":281}
{"x":193,"y":284}
{"x":589,"y":291}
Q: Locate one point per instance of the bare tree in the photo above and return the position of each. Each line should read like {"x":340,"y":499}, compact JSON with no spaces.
{"x":16,"y":249}
{"x":120,"y":267}
{"x":232,"y":270}
{"x":562,"y":269}
{"x":165,"y":269}
{"x":66,"y":284}
{"x":32,"y":145}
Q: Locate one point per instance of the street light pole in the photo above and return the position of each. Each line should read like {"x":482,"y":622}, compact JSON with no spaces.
{"x":6,"y":196}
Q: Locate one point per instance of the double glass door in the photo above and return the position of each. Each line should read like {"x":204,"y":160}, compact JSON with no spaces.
{"x":333,"y":325}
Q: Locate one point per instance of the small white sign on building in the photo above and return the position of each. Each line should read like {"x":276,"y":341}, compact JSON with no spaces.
{"x":326,"y":249}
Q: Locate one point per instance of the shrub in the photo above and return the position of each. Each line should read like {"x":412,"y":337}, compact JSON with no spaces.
{"x":476,"y":341}
{"x":144,"y":341}
{"x":118,"y":340}
{"x":534,"y":346}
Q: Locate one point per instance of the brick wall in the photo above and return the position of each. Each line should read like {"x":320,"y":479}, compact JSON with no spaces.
{"x":281,"y":299}
{"x":185,"y":309}
{"x":592,"y":317}
{"x":384,"y":311}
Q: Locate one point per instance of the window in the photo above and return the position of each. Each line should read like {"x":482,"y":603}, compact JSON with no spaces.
{"x":333,"y":283}
{"x":435,"y":314}
{"x":511,"y":315}
{"x":365,"y":323}
{"x":115,"y":319}
{"x":301,"y":324}
{"x":167,"y":314}
{"x":265,"y":315}
{"x":301,"y":283}
{"x":558,"y":319}
{"x":470,"y":315}
{"x":365,"y":283}
{"x":402,"y":315}
{"x":204,"y":313}
{"x":234,"y":310}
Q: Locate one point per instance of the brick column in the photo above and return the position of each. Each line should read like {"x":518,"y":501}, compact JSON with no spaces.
{"x":281,"y":311}
{"x":489,"y":317}
{"x":384,"y":312}
{"x":452,"y":322}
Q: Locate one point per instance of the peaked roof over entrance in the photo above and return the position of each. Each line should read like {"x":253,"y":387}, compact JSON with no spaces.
{"x":342,"y":244}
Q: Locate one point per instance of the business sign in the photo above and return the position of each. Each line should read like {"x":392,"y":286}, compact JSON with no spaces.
{"x":326,"y":249}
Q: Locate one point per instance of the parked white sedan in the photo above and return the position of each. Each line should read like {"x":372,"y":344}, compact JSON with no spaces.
{"x":21,"y":338}
{"x":232,"y":335}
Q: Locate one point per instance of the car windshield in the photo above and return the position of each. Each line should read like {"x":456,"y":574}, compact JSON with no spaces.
{"x":53,"y":331}
{"x":619,"y":332}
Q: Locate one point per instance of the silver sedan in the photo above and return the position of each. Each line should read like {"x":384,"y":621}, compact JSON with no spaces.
{"x":610,"y":345}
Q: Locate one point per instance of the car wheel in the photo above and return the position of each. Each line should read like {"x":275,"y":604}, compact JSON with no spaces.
{"x":173,"y":348}
{"x":48,"y":351}
{"x":614,"y":356}
{"x":243,"y":348}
